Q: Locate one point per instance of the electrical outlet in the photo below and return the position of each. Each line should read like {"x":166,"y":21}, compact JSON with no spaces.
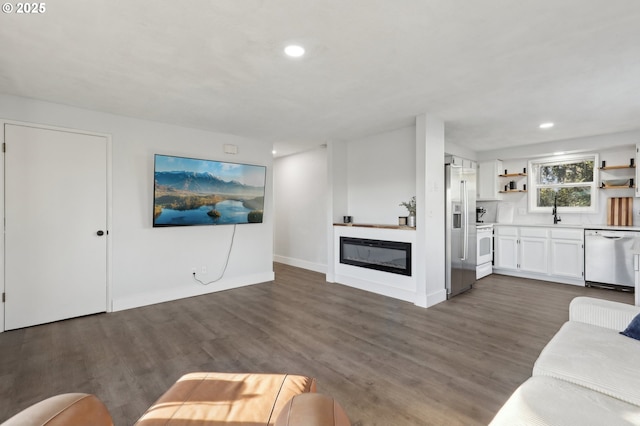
{"x":194,"y":270}
{"x":204,"y":269}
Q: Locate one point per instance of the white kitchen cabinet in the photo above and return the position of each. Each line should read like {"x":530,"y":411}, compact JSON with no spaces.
{"x":540,"y":252}
{"x":488,"y":181}
{"x":506,"y":248}
{"x":567,"y":253}
{"x":462,"y":162}
{"x":534,"y":250}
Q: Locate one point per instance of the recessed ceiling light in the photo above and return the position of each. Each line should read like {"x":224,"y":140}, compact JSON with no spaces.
{"x":558,"y":153}
{"x":274,"y":152}
{"x":294,"y":51}
{"x":546,"y":125}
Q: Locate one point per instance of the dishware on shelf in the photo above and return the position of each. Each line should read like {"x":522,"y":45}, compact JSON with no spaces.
{"x":616,"y":182}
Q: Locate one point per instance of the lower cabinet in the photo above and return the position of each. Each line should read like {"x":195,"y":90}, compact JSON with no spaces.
{"x":567,"y":253}
{"x":534,"y":250}
{"x":551,"y":254}
{"x":505,"y":249}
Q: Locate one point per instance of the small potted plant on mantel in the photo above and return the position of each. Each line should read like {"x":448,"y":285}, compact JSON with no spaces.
{"x":411,"y":207}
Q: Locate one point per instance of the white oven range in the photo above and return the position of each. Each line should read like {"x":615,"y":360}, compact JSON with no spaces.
{"x":484,"y":250}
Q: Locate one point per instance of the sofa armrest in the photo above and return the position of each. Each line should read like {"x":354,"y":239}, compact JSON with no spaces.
{"x":603,"y":313}
{"x":312,"y":409}
{"x":64,"y":410}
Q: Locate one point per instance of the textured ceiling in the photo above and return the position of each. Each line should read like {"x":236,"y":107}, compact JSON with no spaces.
{"x":491,"y":69}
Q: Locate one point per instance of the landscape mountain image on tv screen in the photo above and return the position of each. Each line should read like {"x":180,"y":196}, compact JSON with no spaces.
{"x":189,"y":191}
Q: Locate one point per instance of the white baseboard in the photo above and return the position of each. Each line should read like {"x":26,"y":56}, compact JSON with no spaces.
{"x":378,"y":288}
{"x":541,"y":277}
{"x":436,"y":297}
{"x":299,"y":263}
{"x":167,"y":295}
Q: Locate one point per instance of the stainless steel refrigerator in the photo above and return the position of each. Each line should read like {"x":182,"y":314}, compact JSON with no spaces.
{"x":460,"y":228}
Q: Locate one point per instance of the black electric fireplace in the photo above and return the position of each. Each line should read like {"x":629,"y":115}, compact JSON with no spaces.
{"x":387,"y":256}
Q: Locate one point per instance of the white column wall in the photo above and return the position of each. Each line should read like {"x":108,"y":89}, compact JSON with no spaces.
{"x":337,"y":197}
{"x":381,"y":175}
{"x":430,"y":236}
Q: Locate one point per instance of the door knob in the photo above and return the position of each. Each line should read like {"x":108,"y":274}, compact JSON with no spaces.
{"x":100,"y":233}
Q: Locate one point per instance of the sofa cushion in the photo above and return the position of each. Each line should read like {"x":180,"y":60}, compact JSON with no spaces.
{"x":633,"y":329}
{"x":225,"y":398}
{"x":594,"y":357}
{"x":544,"y":401}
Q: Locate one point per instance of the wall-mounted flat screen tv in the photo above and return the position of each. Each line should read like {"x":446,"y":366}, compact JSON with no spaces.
{"x":190,"y":191}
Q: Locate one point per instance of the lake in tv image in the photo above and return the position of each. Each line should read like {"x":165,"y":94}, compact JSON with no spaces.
{"x":190,"y":191}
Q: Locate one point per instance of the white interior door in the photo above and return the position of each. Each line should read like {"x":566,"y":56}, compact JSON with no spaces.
{"x":55,"y":204}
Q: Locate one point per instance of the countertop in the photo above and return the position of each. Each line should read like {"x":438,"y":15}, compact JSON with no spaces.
{"x":573,"y":226}
{"x":376,"y":225}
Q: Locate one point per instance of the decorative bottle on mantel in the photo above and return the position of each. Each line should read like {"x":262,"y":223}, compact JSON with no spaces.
{"x":411,"y":207}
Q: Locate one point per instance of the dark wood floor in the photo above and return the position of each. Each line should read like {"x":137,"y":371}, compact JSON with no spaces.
{"x":388,"y":362}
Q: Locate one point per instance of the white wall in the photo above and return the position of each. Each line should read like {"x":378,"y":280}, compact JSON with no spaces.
{"x":619,"y":155}
{"x":150,"y":265}
{"x":430,"y":235}
{"x":451,"y":148}
{"x":337,"y":197}
{"x":381,"y":175}
{"x":568,"y":146}
{"x":300,"y":194}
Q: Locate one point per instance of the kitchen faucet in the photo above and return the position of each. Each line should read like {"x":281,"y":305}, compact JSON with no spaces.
{"x":556,"y":218}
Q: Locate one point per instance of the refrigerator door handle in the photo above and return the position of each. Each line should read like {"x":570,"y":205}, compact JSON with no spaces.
{"x":465,"y":228}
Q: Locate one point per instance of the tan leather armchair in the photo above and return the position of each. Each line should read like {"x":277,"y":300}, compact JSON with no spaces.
{"x":202,"y":398}
{"x":68,"y":409}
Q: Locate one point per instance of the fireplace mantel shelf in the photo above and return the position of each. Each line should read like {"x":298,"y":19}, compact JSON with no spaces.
{"x":376,"y":225}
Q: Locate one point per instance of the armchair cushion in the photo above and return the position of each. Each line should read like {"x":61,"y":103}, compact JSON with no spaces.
{"x":226,"y":398}
{"x":67,"y":409}
{"x":312,"y":409}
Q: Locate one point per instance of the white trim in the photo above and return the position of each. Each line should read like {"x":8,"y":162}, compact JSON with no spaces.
{"x":168,"y":295}
{"x":532,"y":187}
{"x":541,"y":277}
{"x":109,"y":191}
{"x":435,"y":298}
{"x":299,"y":263}
{"x":378,"y":288}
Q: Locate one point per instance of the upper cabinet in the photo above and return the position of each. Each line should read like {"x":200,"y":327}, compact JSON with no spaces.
{"x":488,"y":180}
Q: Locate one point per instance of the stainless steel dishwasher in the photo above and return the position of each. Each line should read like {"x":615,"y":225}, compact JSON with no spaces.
{"x":608,"y":258}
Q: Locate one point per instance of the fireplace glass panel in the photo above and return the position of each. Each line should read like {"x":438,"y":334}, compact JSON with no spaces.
{"x":387,"y":256}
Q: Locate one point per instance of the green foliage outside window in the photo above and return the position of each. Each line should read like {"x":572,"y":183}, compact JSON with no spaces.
{"x":566,"y":173}
{"x":569,"y":184}
{"x":567,"y":197}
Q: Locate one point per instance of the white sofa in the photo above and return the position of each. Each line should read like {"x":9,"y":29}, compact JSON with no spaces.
{"x":588,"y":374}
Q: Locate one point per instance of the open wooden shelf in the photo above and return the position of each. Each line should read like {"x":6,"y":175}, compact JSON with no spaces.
{"x":512,"y":190}
{"x":513,"y":175}
{"x":618,"y":187}
{"x":618,"y":167}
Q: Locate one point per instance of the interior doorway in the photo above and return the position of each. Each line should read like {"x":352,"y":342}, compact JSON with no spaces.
{"x":56,"y":236}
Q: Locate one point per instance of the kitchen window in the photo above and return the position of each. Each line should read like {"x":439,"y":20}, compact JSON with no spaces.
{"x":568,"y":182}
